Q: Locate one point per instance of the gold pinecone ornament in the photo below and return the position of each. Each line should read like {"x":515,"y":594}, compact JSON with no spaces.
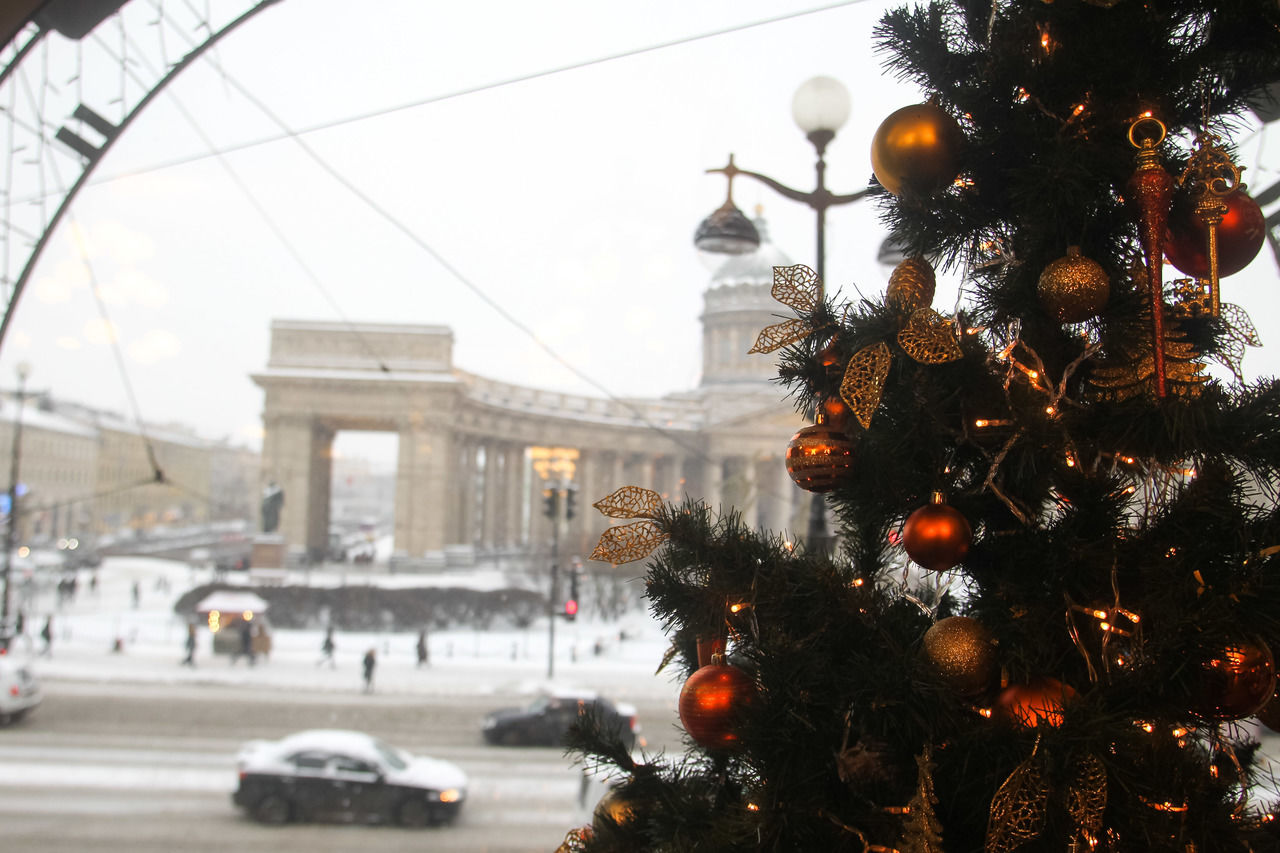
{"x":1074,"y":288}
{"x":911,"y":286}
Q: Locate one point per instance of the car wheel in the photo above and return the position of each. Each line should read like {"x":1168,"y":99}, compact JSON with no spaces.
{"x":414,"y":813}
{"x":273,"y":809}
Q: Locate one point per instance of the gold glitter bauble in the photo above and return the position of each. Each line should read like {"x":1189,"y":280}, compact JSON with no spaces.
{"x":916,"y":150}
{"x":962,"y":652}
{"x":911,"y":286}
{"x":1074,"y":288}
{"x":612,"y":808}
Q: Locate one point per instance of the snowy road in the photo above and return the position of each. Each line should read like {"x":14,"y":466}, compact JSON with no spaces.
{"x":92,"y":769}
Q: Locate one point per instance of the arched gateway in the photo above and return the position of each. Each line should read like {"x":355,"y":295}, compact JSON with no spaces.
{"x":467,"y":486}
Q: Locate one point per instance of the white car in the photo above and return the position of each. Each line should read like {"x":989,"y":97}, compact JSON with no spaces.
{"x":338,"y":775}
{"x":19,"y":690}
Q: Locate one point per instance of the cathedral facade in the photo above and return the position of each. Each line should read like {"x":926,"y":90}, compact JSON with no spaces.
{"x":476,"y":457}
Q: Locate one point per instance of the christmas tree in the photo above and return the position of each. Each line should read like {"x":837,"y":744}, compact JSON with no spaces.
{"x":1050,"y":619}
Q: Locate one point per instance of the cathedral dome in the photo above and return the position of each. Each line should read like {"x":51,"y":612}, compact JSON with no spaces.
{"x":736,"y":306}
{"x":753,"y":267}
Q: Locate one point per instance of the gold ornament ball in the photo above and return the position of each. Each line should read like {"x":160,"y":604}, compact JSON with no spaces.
{"x":916,"y":150}
{"x":612,"y":808}
{"x":963,"y":653}
{"x":1074,"y":288}
{"x":911,"y":286}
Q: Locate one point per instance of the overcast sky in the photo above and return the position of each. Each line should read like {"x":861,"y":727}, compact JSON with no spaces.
{"x":569,"y":200}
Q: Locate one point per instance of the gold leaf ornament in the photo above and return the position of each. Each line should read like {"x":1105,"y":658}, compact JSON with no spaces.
{"x":929,"y":338}
{"x":1087,"y":796}
{"x":798,"y":288}
{"x":864,"y":379}
{"x":625,"y":543}
{"x":1019,"y":808}
{"x":631,"y":502}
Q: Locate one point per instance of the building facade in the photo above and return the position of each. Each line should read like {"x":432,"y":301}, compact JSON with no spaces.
{"x":475,"y":455}
{"x":87,"y":474}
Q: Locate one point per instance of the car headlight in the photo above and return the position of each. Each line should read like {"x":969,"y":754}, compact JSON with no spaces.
{"x":490,"y":722}
{"x":450,"y":795}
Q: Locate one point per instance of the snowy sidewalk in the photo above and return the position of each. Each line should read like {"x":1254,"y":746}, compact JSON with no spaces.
{"x":462,"y":661}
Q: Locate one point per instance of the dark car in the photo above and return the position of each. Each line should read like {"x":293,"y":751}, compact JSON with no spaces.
{"x":344,"y":776}
{"x":545,"y":720}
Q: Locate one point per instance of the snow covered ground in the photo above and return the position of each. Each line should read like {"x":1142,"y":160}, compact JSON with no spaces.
{"x":462,"y":661}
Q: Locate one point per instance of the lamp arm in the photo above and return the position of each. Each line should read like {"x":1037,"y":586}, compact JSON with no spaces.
{"x":818,"y":199}
{"x":780,"y":188}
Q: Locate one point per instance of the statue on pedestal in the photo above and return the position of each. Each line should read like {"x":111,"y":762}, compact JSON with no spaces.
{"x":272,"y":501}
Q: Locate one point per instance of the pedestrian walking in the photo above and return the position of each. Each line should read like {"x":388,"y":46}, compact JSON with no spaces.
{"x":137,"y":594}
{"x":190,"y":659}
{"x":370,"y":661}
{"x":424,"y":655}
{"x":46,"y":634}
{"x":326,"y":649}
{"x":246,"y":642}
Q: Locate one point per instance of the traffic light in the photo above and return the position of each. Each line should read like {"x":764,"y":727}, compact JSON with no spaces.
{"x":550,"y":502}
{"x":571,"y":603}
{"x":570,"y":501}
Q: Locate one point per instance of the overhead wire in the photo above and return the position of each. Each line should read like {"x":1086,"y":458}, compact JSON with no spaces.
{"x":482,"y":87}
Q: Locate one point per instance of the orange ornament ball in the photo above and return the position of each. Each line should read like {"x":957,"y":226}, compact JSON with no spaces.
{"x":820,"y":457}
{"x":1039,"y":701}
{"x":711,"y":703}
{"x":1241,"y":233}
{"x":937,"y":536}
{"x":916,"y":150}
{"x":1234,"y":682}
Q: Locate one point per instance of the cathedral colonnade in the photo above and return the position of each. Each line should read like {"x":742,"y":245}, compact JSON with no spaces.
{"x":467,"y":488}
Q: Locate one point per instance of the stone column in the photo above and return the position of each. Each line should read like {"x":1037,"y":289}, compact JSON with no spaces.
{"x":712,"y":482}
{"x":579,"y":529}
{"x":423,"y":493}
{"x":466,"y":532}
{"x":492,"y":500}
{"x":320,"y":474}
{"x":677,"y":485}
{"x":513,"y":474}
{"x":287,"y":461}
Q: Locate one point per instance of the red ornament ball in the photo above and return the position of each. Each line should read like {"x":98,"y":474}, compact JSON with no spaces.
{"x":711,"y":702}
{"x":1234,"y":682}
{"x":819,"y":457}
{"x":937,"y":536}
{"x":1039,"y":701}
{"x":1241,"y":233}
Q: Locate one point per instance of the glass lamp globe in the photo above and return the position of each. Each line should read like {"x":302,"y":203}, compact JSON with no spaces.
{"x":821,"y":104}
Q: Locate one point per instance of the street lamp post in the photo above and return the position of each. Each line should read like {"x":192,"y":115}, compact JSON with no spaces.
{"x":820,"y":107}
{"x":10,"y":532}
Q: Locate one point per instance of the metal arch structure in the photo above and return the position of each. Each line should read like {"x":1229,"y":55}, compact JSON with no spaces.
{"x":74,"y":74}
